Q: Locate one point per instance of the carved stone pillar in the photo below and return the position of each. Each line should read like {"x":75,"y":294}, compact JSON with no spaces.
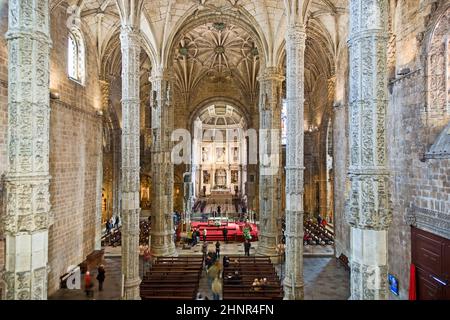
{"x":368,"y":207}
{"x":270,"y":162}
{"x":117,"y":150}
{"x":28,"y":216}
{"x":295,"y":51}
{"x":130,"y":45}
{"x":162,"y":232}
{"x":99,"y":182}
{"x":104,"y":85}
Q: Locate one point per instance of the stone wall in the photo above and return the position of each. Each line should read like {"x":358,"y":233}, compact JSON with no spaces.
{"x":74,"y":134}
{"x":420,"y":187}
{"x":3,"y":118}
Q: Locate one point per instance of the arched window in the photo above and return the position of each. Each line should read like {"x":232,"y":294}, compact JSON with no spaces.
{"x":76,"y":56}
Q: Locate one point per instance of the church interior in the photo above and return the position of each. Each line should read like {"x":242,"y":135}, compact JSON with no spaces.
{"x":225,"y":149}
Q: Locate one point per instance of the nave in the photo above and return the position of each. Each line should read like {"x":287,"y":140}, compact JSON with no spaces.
{"x":325,"y":277}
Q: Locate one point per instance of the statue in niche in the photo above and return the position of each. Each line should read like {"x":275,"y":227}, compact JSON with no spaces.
{"x":168,"y":95}
{"x":206,"y":177}
{"x":234,"y":176}
{"x":235,"y":154}
{"x":220,"y":154}
{"x":205,"y":154}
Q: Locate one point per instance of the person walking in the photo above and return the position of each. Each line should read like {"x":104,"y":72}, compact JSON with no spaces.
{"x":205,"y":252}
{"x":247,"y":246}
{"x":147,"y":260}
{"x":107,"y":226}
{"x":214,"y":272}
{"x":216,"y":288}
{"x":218,"y":249}
{"x":101,"y":276}
{"x":204,"y":234}
{"x":225,"y":233}
{"x":88,"y":284}
{"x":219,"y":209}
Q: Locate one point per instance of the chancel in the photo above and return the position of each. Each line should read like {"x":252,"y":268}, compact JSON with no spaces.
{"x":217,"y":149}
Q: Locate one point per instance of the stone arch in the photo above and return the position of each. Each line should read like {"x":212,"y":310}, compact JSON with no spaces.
{"x":226,"y":100}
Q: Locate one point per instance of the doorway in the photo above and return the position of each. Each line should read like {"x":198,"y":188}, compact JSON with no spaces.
{"x":431,"y":256}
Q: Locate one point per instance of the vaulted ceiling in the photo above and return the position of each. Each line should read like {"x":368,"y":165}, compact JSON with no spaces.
{"x":223,"y":41}
{"x":217,"y":51}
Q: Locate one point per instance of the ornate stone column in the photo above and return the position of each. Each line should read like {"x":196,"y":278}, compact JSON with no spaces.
{"x":295,"y":51}
{"x":130,"y":45}
{"x":104,"y":86}
{"x":28,"y":214}
{"x":117,"y":150}
{"x":368,"y":208}
{"x":99,"y":184}
{"x":162,"y":232}
{"x":270,"y":162}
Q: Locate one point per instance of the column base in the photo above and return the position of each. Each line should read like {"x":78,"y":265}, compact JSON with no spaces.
{"x":293,"y":293}
{"x":164,"y":251}
{"x":131,"y":290}
{"x":266,"y":250}
{"x":162,"y":244}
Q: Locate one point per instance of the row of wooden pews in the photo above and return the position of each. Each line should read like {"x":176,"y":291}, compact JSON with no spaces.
{"x":172,"y":278}
{"x":317,"y":235}
{"x":112,"y":238}
{"x":239,"y":286}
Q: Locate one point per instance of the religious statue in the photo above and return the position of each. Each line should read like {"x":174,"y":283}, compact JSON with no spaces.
{"x":206,"y":177}
{"x":220,"y":154}
{"x":235,"y":154}
{"x":234,"y":176}
{"x":204,"y":154}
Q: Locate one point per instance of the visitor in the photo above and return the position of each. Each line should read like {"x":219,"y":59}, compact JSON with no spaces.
{"x":218,"y":249}
{"x":214,"y":272}
{"x":101,"y":277}
{"x":319,"y":220}
{"x":225,"y":233}
{"x":226,"y":261}
{"x":197,"y":236}
{"x":256,"y":285}
{"x":189,"y":237}
{"x":216,"y":288}
{"x":111,"y":225}
{"x":108,"y":226}
{"x":147,"y":260}
{"x":204,"y":234}
{"x":194,"y":238}
{"x":219,"y":210}
{"x":247,"y":246}
{"x":204,"y":251}
{"x":236,"y":278}
{"x":88,"y":284}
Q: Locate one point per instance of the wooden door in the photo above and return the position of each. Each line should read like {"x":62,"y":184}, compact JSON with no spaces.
{"x":431,"y":256}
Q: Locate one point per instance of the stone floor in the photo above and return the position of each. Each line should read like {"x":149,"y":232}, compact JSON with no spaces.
{"x":325,"y":279}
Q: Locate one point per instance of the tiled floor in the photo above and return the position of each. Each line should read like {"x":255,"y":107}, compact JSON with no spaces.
{"x":111,"y":286}
{"x":325,"y":279}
